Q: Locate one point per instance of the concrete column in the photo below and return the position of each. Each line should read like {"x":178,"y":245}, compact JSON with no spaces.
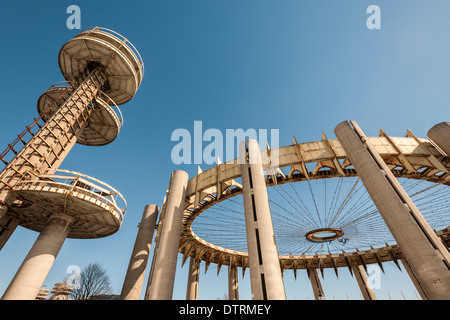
{"x":363,"y":284}
{"x":265,"y":272}
{"x":8,"y":225}
{"x":414,"y":279}
{"x":425,"y":252}
{"x":440,"y":134}
{"x":32,"y":273}
{"x":132,"y":285}
{"x":193,"y":277}
{"x":316,"y":284}
{"x":162,"y":274}
{"x":233,"y":285}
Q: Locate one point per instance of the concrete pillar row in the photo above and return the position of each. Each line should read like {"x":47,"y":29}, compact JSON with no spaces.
{"x":134,"y":278}
{"x":363,"y":283}
{"x":265,"y":272}
{"x":440,"y":134}
{"x":164,"y":263}
{"x":233,"y":285}
{"x":193,"y":279}
{"x":32,"y":273}
{"x":428,"y":257}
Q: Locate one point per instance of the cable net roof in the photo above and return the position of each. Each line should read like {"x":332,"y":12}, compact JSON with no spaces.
{"x":301,"y":207}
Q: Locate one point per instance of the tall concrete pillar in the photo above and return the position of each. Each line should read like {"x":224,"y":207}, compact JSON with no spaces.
{"x":132,"y":285}
{"x":8,"y":224}
{"x":265,"y":272}
{"x":414,"y":279}
{"x":162,"y":273}
{"x":425,"y":252}
{"x":440,"y":134}
{"x":316,"y":284}
{"x":233,"y":285}
{"x":32,"y":273}
{"x":193,"y":277}
{"x":363,"y":284}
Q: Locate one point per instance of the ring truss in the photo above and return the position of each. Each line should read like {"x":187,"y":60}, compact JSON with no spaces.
{"x":352,"y":231}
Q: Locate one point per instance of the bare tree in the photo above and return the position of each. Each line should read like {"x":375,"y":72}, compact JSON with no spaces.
{"x":94,"y":281}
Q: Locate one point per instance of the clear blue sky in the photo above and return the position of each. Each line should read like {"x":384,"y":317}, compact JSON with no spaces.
{"x":298,"y":66}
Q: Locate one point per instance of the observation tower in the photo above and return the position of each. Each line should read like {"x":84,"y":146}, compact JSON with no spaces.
{"x":103,"y":70}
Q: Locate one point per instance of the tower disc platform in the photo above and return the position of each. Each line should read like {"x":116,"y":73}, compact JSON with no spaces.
{"x":97,"y":208}
{"x":122,"y":63}
{"x":103,"y":125}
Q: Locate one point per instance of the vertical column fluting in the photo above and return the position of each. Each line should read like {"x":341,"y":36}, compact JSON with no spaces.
{"x":134,"y":278}
{"x":265,"y":271}
{"x":440,"y":134}
{"x":32,"y":273}
{"x":316,"y":284}
{"x":162,"y":274}
{"x":233,"y":284}
{"x":425,"y":252}
{"x":363,"y":283}
{"x":193,"y":279}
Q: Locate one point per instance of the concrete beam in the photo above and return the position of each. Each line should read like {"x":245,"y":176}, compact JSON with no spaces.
{"x":162,"y":274}
{"x":265,"y":271}
{"x":316,"y":284}
{"x":32,"y":273}
{"x":134,"y":278}
{"x":193,"y":279}
{"x":363,"y":284}
{"x":425,"y":252}
{"x":233,"y":285}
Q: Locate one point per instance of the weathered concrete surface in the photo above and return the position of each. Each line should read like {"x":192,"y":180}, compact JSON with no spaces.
{"x":164,"y":263}
{"x":265,"y":271}
{"x":134,"y":279}
{"x":425,"y":252}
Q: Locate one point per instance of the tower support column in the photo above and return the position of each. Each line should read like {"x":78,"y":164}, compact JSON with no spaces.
{"x":164,"y":263}
{"x":363,"y":284}
{"x":440,"y":134}
{"x":265,"y":271}
{"x":413,"y":279}
{"x":316,"y":284}
{"x":32,"y":273}
{"x":233,"y":285}
{"x":193,"y":278}
{"x":425,"y":252}
{"x":132,"y":285}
